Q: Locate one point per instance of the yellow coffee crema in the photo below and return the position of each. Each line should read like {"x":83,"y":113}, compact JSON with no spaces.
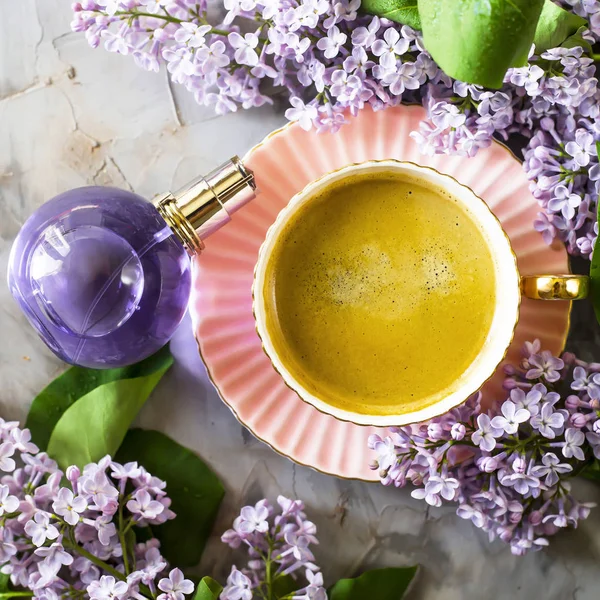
{"x":380,"y":292}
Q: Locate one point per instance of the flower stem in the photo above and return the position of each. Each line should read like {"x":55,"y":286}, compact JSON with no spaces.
{"x":122,"y":540}
{"x":268,"y":574}
{"x":10,"y":594}
{"x":135,"y":13}
{"x":94,"y":559}
{"x":70,"y":543}
{"x":596,"y":57}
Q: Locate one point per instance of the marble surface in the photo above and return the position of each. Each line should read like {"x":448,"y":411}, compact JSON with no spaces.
{"x":70,"y":116}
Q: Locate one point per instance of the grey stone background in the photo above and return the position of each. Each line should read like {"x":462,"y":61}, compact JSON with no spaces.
{"x":71,"y":116}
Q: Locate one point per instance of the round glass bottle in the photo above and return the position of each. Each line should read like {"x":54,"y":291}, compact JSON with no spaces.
{"x":104,"y":275}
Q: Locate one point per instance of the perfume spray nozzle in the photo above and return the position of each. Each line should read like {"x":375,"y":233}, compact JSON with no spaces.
{"x":204,"y":205}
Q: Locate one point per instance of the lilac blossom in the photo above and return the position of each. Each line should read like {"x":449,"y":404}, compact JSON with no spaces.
{"x":48,"y":530}
{"x":279,"y":543}
{"x":69,"y":506}
{"x":175,"y":586}
{"x":485,"y":435}
{"x":508,"y":473}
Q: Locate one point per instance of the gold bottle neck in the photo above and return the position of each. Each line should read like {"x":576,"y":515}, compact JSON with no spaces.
{"x":204,"y":205}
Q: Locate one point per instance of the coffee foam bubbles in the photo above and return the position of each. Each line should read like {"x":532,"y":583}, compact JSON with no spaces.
{"x":389,"y":283}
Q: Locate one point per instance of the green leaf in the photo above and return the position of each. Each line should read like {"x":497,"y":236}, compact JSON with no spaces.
{"x":577,"y":39}
{"x":591,"y":471}
{"x":379,"y":584}
{"x":401,"y":11}
{"x":477,"y":41}
{"x":284,"y":585}
{"x":555,"y":25}
{"x":208,"y":589}
{"x":53,"y":401}
{"x":4,"y":581}
{"x":595,"y":265}
{"x":195,"y":490}
{"x":96,"y":424}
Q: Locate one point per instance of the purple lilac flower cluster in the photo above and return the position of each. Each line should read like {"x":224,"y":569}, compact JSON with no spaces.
{"x":345,"y":60}
{"x":507,"y":470}
{"x":278,"y":545}
{"x":69,"y":535}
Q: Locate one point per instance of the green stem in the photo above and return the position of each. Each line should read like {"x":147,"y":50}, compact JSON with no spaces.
{"x":16,"y":595}
{"x":268,"y":574}
{"x":170,"y":19}
{"x":122,"y":540}
{"x":135,"y":14}
{"x":596,"y":57}
{"x":100,"y":563}
{"x":94,"y":559}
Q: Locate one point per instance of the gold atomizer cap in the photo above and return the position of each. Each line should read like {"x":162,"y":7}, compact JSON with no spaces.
{"x":204,"y":205}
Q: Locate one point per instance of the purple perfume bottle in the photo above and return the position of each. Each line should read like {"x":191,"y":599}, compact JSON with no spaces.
{"x":104,"y":275}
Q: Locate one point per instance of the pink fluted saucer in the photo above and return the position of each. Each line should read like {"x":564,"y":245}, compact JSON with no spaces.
{"x":221,"y":304}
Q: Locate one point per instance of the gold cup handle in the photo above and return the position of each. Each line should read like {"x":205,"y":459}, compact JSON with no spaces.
{"x":555,"y":287}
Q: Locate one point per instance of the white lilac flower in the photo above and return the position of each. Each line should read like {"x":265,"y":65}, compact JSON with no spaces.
{"x":235,"y":7}
{"x":111,"y":6}
{"x":551,"y":468}
{"x":404,"y":77}
{"x":7,"y":464}
{"x":143,"y":506}
{"x":7,"y":547}
{"x":54,"y":557}
{"x":386,"y":451}
{"x":239,"y":586}
{"x":212,"y":57}
{"x":154,"y":565}
{"x":245,"y":48}
{"x":21,"y":438}
{"x":545,"y":366}
{"x":331,"y":43}
{"x":524,"y":483}
{"x":582,"y":148}
{"x":529,"y":401}
{"x":115,"y":42}
{"x":564,"y":202}
{"x":358,"y":62}
{"x":252,"y":518}
{"x":547,"y":422}
{"x":574,"y":438}
{"x":191,"y":34}
{"x":390,"y":48}
{"x":179,"y":63}
{"x":305,"y":114}
{"x":48,"y":491}
{"x":366,"y":36}
{"x":510,"y":418}
{"x":485,"y":436}
{"x":465,"y":511}
{"x":107,"y":588}
{"x":445,"y":115}
{"x":8,"y":504}
{"x":98,"y":488}
{"x":446,"y":487}
{"x":154,"y":6}
{"x":69,"y":506}
{"x":106,"y":529}
{"x":175,"y":586}
{"x":40,"y":529}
